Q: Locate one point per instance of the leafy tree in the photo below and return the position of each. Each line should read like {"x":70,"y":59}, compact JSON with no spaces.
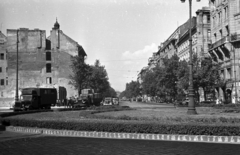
{"x":132,"y":90}
{"x":98,"y":79}
{"x":110,"y":92}
{"x":208,"y":76}
{"x":80,"y":72}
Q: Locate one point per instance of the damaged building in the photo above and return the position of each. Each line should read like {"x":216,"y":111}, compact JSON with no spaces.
{"x":42,"y":61}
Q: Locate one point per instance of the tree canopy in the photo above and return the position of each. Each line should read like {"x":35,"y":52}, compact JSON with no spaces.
{"x":171,"y":79}
{"x":86,"y":76}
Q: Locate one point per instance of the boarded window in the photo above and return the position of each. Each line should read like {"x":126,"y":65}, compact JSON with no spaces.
{"x":48,"y":56}
{"x":2,"y":56}
{"x":0,"y":69}
{"x":2,"y":82}
{"x":48,"y":68}
{"x":49,"y":80}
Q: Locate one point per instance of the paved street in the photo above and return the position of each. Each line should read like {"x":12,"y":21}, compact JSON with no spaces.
{"x":145,"y":105}
{"x":33,"y":144}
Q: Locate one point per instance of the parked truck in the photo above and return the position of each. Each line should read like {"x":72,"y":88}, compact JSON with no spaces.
{"x":89,"y":98}
{"x":36,"y":98}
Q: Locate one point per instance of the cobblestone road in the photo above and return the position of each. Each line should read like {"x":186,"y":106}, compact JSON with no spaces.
{"x":92,"y":146}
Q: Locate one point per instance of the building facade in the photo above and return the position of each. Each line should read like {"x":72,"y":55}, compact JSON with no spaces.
{"x":43,"y":62}
{"x":225,"y":49}
{"x":201,"y":35}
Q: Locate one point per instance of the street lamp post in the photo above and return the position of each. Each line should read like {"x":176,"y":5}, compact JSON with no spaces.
{"x":191,"y":104}
{"x":235,"y":78}
{"x":16,"y":97}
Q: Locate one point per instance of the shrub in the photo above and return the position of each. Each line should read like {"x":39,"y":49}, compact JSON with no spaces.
{"x":129,"y":127}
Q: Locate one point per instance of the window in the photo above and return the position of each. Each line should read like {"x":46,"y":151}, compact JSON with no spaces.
{"x":0,"y":69}
{"x":226,"y":12}
{"x":229,"y":73}
{"x":2,"y":82}
{"x":48,"y":56}
{"x":215,"y":37}
{"x":209,"y":34}
{"x":2,"y":94}
{"x":208,"y":18}
{"x":219,"y":18}
{"x":49,"y":80}
{"x":2,"y":56}
{"x":227,"y":30}
{"x":48,"y":68}
{"x":220,"y":31}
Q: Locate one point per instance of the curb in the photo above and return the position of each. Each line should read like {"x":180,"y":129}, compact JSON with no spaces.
{"x":139,"y":136}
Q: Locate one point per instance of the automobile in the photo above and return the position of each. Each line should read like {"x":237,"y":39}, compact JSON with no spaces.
{"x":115,"y":101}
{"x":108,"y":101}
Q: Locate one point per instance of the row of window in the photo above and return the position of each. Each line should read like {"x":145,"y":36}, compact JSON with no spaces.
{"x":221,"y":33}
{"x":48,"y":56}
{"x":185,"y":45}
{"x":2,"y":81}
{"x":220,"y":16}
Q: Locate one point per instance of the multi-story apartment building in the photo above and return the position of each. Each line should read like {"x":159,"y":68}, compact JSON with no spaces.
{"x":201,"y":31}
{"x":225,"y":49}
{"x":153,"y":61}
{"x":43,"y":62}
{"x":168,"y":48}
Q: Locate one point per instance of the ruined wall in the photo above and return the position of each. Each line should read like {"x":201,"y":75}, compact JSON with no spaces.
{"x":32,"y":62}
{"x":29,"y":40}
{"x":62,"y":42}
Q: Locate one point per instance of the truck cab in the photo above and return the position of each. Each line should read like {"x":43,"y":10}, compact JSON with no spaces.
{"x":36,"y":98}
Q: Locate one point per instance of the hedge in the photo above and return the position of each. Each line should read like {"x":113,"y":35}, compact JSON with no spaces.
{"x":128,"y":126}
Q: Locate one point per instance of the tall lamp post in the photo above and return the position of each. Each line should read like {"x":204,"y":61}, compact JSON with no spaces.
{"x":191,"y":104}
{"x":16,"y":97}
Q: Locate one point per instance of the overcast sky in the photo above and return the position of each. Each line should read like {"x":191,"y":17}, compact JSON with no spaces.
{"x":122,"y":34}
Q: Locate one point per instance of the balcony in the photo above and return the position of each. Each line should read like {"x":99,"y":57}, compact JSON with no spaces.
{"x":219,"y":42}
{"x":235,"y":37}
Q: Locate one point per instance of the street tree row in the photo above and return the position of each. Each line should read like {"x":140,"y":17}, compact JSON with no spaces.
{"x":86,"y":76}
{"x":169,"y":80}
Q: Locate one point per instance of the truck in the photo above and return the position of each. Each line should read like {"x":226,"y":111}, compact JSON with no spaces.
{"x":90,"y":98}
{"x":36,"y":98}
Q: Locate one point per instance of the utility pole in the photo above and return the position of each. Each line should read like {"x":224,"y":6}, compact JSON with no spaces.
{"x":16,"y":98}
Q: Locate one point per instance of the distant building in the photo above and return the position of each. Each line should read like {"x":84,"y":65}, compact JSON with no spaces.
{"x":201,"y":31}
{"x":178,"y":41}
{"x":43,"y":62}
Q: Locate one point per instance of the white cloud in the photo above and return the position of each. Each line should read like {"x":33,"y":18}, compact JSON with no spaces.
{"x":134,"y":57}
